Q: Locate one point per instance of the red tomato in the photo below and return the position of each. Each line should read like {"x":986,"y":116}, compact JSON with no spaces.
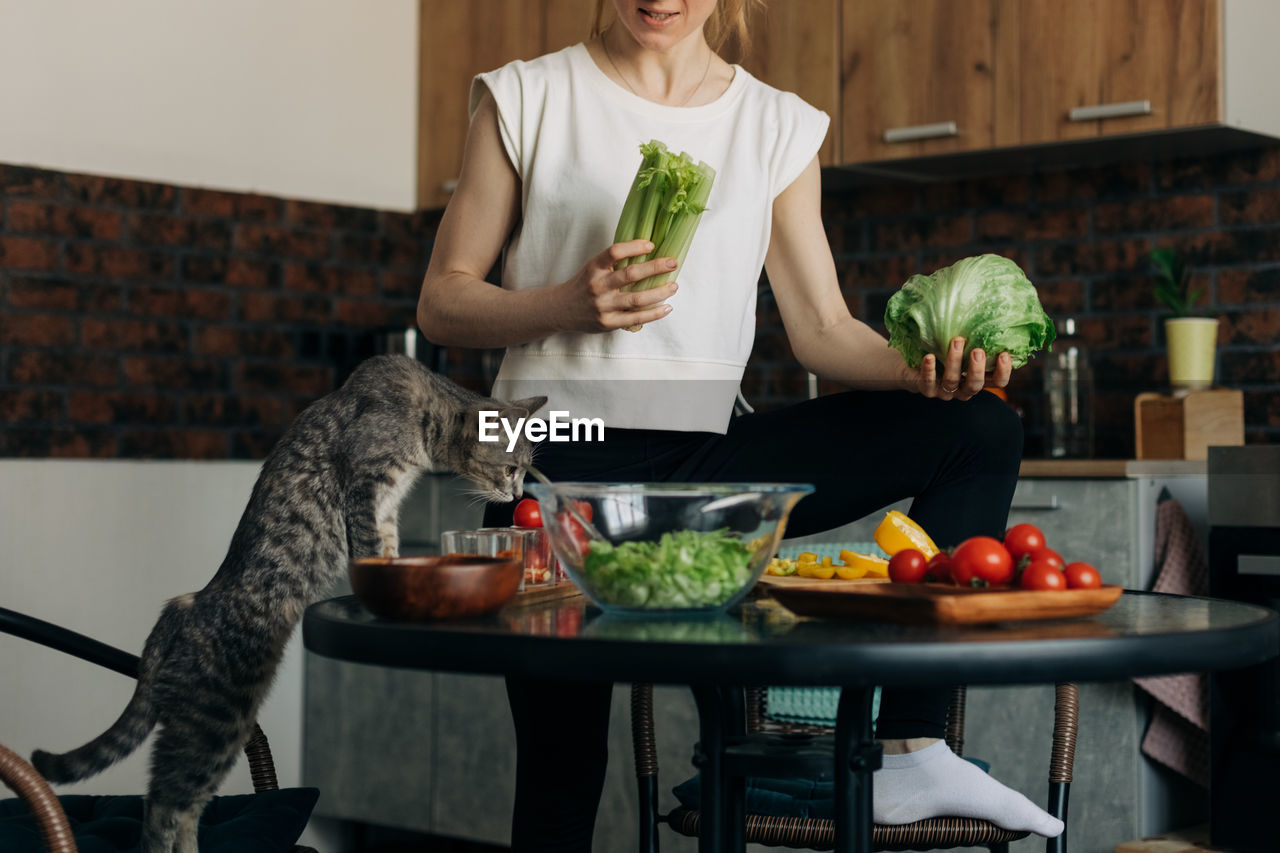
{"x":527,"y":514}
{"x":981,"y":561}
{"x":907,"y":566}
{"x":585,"y":510}
{"x":1023,"y":539}
{"x":939,"y":568}
{"x":1050,"y":555}
{"x":1082,"y":576}
{"x":1040,"y":574}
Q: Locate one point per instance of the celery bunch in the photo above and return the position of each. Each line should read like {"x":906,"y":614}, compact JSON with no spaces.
{"x":664,"y":206}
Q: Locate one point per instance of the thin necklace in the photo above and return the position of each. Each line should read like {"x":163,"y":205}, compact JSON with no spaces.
{"x":604,"y":40}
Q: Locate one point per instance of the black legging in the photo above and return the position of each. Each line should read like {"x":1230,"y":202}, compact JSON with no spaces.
{"x":862,"y":451}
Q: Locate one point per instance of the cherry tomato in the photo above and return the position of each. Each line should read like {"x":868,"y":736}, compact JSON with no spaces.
{"x":1041,"y":574}
{"x":907,"y":566}
{"x":527,"y":514}
{"x":1082,"y":576}
{"x":939,"y":568}
{"x":1048,"y":554}
{"x":1023,"y":539}
{"x":585,"y":510}
{"x":980,"y":561}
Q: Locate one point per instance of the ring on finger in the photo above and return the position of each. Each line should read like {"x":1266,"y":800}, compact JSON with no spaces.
{"x":953,"y":389}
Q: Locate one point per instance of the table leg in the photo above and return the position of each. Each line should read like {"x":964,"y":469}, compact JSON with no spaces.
{"x":734,"y":724}
{"x":723,"y":824}
{"x":857,"y":758}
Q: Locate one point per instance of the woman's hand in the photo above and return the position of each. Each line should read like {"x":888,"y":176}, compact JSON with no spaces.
{"x":594,"y":301}
{"x":957,"y":383}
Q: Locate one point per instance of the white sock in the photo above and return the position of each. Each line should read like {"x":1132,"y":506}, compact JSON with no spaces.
{"x":935,"y":782}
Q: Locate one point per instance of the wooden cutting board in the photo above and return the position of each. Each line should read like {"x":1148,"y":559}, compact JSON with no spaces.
{"x":937,"y":604}
{"x":797,"y":582}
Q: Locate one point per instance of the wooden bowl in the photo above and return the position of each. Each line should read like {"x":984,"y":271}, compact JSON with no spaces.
{"x":452,"y":586}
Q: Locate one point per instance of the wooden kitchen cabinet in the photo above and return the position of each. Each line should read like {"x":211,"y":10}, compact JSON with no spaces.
{"x":795,"y":46}
{"x":917,"y":78}
{"x":910,"y":79}
{"x":1144,"y":65}
{"x":935,"y":77}
{"x":459,"y":40}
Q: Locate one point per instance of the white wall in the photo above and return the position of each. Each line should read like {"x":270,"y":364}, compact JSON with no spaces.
{"x":308,"y":99}
{"x":98,"y":547}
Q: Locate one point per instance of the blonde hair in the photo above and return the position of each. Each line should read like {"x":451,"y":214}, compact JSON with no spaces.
{"x":729,"y":25}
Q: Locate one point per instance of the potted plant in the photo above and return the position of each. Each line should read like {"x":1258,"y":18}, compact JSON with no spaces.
{"x":1191,"y":339}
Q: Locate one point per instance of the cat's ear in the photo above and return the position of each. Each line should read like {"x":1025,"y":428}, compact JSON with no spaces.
{"x":528,"y":404}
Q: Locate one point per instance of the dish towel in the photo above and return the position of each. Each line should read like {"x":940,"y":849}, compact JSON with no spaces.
{"x":1178,"y":736}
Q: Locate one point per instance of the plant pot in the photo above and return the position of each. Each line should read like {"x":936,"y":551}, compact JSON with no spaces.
{"x":1192,"y":343}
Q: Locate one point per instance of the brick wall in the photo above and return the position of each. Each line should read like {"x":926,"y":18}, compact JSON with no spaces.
{"x":147,"y":320}
{"x":1083,"y":236}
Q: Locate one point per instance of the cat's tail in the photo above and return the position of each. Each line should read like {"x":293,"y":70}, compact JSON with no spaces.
{"x":137,"y":719}
{"x":125,"y":735}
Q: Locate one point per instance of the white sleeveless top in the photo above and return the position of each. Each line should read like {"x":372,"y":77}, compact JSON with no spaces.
{"x":574,"y":136}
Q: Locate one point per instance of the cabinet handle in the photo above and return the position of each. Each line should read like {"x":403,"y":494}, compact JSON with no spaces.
{"x":1258,"y":564}
{"x":1040,"y":502}
{"x":449,"y":186}
{"x":1118,"y":110}
{"x":921,"y":131}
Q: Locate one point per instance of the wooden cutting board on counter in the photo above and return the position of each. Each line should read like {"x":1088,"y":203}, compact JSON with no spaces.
{"x":876,"y":599}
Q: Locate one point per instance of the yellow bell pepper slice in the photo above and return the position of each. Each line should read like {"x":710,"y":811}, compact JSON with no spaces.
{"x":815,"y":570}
{"x":897,"y":532}
{"x":866,"y":565}
{"x":806,"y":557}
{"x":851,"y":573}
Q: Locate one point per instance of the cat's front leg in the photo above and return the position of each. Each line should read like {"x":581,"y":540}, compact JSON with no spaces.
{"x":389,"y":537}
{"x":387,"y":518}
{"x":387,"y":500}
{"x":362,"y":529}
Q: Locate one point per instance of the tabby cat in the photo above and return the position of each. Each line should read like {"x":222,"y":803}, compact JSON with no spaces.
{"x":329,"y":491}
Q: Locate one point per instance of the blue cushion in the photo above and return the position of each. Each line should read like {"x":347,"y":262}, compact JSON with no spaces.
{"x":268,"y":822}
{"x":807,"y":798}
{"x":802,"y":798}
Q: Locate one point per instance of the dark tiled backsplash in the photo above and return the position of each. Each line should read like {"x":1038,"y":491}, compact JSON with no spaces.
{"x":149,"y":320}
{"x":1084,"y":237}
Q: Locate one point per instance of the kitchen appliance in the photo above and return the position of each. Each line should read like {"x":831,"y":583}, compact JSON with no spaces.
{"x":1244,"y":565}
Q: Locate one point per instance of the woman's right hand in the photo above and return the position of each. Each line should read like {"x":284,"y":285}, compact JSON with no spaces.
{"x":594,"y":300}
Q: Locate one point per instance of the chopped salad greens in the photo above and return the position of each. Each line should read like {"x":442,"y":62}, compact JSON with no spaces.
{"x":683,"y":569}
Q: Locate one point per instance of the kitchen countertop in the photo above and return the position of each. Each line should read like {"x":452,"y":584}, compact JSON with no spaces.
{"x":1112,"y":468}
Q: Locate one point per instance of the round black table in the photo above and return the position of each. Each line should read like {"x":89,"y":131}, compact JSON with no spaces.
{"x":760,"y":643}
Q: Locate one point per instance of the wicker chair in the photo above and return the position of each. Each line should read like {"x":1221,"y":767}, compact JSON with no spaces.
{"x":25,"y":781}
{"x":818,"y":833}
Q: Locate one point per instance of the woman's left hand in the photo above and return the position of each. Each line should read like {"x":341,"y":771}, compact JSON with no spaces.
{"x":958,"y":382}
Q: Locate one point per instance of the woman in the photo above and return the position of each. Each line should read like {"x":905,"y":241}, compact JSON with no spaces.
{"x":550,"y":156}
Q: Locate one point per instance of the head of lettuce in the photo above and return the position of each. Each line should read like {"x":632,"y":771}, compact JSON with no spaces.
{"x":987,"y":300}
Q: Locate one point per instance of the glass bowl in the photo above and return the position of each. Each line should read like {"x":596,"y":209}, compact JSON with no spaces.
{"x":666,"y":548}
